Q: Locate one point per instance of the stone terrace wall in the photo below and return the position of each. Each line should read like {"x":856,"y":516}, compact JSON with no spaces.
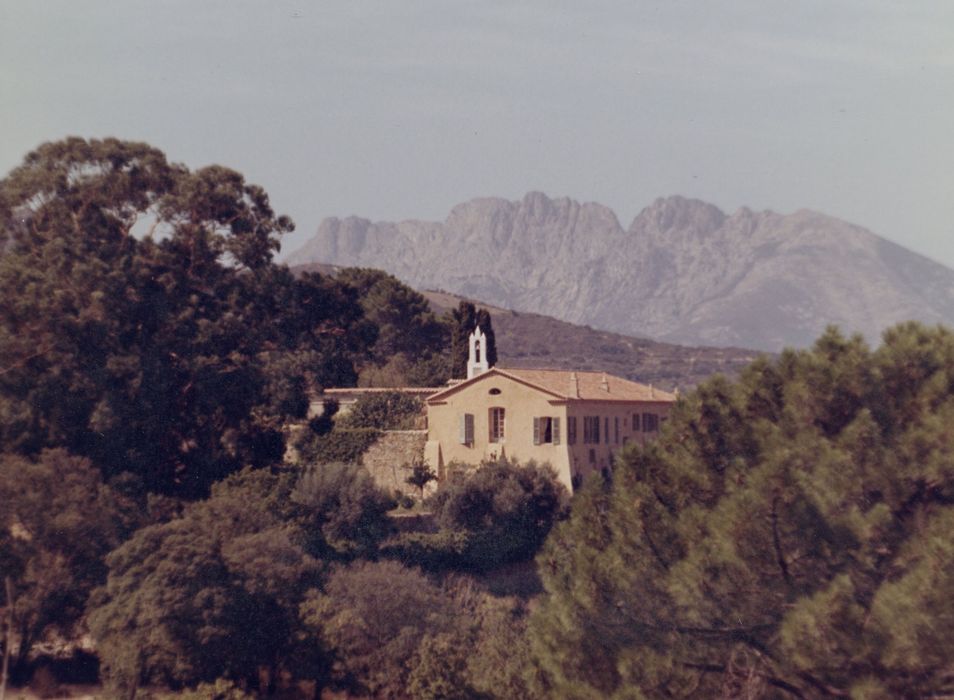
{"x":386,"y":458}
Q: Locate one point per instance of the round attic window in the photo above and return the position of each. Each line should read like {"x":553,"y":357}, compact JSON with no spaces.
{"x":494,"y":392}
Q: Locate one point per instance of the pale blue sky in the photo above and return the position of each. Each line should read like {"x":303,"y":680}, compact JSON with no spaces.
{"x":399,"y":110}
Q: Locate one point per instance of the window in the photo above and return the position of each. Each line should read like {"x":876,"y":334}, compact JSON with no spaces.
{"x":592,"y":456}
{"x":497,"y":424}
{"x":616,"y":430}
{"x":591,"y":430}
{"x":650,"y":423}
{"x":635,"y":422}
{"x":571,"y":430}
{"x":494,"y":392}
{"x":546,"y":431}
{"x":467,"y":429}
{"x":606,"y":436}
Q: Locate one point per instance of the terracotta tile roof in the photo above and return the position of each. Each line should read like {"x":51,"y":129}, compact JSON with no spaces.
{"x":333,"y":391}
{"x":593,"y":386}
{"x":574,"y":385}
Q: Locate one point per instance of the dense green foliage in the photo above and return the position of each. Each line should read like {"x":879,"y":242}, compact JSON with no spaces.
{"x":58,"y":522}
{"x":373,"y":616}
{"x":349,"y":435}
{"x":144,"y":325}
{"x":791,"y":534}
{"x":340,"y":445}
{"x":390,"y":410}
{"x":343,"y":512}
{"x":494,"y":515}
{"x":406,"y":326}
{"x":395,"y":633}
{"x":212,"y":593}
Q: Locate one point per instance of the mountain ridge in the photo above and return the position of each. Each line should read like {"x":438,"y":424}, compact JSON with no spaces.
{"x":683,"y":271}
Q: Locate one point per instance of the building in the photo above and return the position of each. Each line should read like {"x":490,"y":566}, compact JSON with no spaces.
{"x":575,"y":421}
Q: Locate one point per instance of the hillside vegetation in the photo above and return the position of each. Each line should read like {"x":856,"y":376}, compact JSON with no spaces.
{"x":789,"y":534}
{"x":537,"y":341}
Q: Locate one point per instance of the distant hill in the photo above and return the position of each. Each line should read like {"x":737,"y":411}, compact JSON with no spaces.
{"x":534,"y":340}
{"x":683,"y":271}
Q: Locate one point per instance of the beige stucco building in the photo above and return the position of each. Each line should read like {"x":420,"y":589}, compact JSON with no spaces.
{"x":575,"y":421}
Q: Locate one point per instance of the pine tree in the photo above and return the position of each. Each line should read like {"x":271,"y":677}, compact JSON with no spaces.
{"x":790,"y":534}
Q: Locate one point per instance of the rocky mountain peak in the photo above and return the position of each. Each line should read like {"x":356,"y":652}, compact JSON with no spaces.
{"x":679,"y":213}
{"x":683,"y":272}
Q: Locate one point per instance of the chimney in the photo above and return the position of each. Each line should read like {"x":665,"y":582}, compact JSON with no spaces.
{"x":574,"y":386}
{"x":652,"y":392}
{"x":604,"y":383}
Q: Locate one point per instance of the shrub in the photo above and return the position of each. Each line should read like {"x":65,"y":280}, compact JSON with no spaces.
{"x":432,"y":551}
{"x":340,"y":445}
{"x":374,"y":615}
{"x":342,"y":510}
{"x":494,"y":515}
{"x":390,"y":410}
{"x":505,"y":509}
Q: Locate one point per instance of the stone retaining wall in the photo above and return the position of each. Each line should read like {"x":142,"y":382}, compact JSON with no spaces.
{"x":389,"y":459}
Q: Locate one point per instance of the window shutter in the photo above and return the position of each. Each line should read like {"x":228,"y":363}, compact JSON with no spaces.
{"x":467,"y":429}
{"x":556,"y":431}
{"x":536,"y":431}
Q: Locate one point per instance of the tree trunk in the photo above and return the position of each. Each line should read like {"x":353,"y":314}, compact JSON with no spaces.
{"x":23,"y":650}
{"x":8,"y":637}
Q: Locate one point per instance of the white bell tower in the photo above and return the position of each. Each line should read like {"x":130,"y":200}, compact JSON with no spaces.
{"x":477,"y":355}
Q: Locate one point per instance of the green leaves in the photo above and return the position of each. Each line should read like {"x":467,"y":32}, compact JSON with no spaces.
{"x":57,"y":522}
{"x":791,"y":529}
{"x":212,"y":593}
{"x":147,"y":327}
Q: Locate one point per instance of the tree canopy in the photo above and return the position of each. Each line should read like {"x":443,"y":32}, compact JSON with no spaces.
{"x":789,"y":535}
{"x":406,"y":325}
{"x":57,"y":522}
{"x":214,"y":593}
{"x":495,"y":515}
{"x":145,"y":325}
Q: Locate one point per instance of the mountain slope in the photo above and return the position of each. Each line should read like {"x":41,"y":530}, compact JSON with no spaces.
{"x":683,"y":271}
{"x":535,"y":341}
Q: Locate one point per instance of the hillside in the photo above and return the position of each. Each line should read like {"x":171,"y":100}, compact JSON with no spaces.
{"x":682,"y":272}
{"x":535,"y":340}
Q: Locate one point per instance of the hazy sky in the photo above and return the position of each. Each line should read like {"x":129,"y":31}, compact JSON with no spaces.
{"x":399,"y":110}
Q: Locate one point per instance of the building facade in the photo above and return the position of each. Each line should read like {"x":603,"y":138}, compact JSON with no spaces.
{"x":575,"y":421}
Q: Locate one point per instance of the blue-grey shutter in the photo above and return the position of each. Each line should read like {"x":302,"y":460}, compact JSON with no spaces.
{"x":556,"y":431}
{"x":536,"y":431}
{"x":467,"y":429}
